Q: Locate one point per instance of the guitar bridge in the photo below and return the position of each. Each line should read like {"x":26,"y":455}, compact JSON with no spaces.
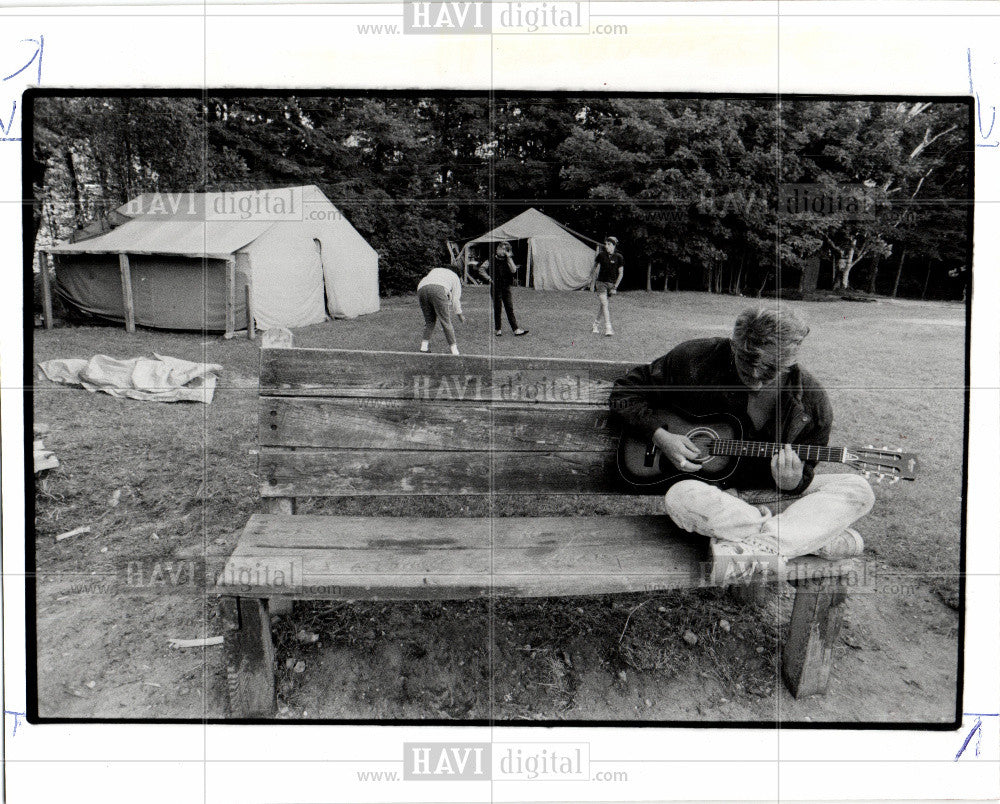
{"x":650,"y":457}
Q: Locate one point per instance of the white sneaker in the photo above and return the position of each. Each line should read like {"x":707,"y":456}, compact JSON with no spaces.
{"x":597,"y":328}
{"x":454,"y":349}
{"x":846,"y":544}
{"x":425,"y":346}
{"x":608,"y":330}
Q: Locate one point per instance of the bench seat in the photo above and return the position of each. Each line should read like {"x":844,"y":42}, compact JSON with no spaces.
{"x":317,"y":557}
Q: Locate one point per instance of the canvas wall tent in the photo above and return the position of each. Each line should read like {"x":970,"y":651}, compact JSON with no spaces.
{"x":300,"y":255}
{"x":556,"y":259}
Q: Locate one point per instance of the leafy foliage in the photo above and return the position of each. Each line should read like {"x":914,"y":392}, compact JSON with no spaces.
{"x":690,"y":187}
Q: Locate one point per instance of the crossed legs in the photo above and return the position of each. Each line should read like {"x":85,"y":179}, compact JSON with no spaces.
{"x":830,"y":504}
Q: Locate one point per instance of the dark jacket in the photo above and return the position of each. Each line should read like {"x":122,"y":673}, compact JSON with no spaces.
{"x":699,"y":377}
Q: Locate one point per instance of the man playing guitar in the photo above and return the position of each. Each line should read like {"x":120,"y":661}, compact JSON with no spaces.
{"x":754,"y":375}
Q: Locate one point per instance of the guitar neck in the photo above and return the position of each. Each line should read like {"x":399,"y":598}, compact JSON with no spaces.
{"x":763,"y":449}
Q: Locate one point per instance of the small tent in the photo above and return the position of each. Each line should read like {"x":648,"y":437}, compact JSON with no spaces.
{"x":555,"y":258}
{"x":300,"y":256}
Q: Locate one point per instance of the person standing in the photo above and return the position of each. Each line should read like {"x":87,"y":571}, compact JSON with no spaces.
{"x":609,"y":267}
{"x":439,"y":293}
{"x":500,"y":271}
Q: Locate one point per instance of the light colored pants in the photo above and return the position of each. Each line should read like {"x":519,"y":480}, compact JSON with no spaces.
{"x":830,"y":504}
{"x":436,"y":306}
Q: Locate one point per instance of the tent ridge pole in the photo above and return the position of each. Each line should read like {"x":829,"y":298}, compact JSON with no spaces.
{"x":126,"y":273}
{"x":43,"y":266}
{"x":230,"y":297}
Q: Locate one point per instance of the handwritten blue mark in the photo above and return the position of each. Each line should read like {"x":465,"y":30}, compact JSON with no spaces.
{"x":984,"y":133}
{"x":8,"y":128}
{"x":976,"y":731}
{"x":17,"y":719}
{"x":40,"y":41}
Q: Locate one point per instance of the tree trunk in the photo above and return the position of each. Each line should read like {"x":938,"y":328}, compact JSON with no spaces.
{"x":734,"y":285}
{"x":871,"y":282}
{"x":844,"y":265}
{"x":74,"y":183}
{"x":899,"y":273}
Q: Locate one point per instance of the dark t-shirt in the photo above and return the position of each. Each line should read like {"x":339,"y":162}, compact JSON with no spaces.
{"x":498,"y":270}
{"x":608,"y":265}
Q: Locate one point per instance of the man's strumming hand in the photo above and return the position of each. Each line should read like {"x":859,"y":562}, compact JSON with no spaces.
{"x":680,"y":450}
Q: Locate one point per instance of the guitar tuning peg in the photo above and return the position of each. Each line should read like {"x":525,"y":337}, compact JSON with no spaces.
{"x":867,"y":474}
{"x":895,"y":479}
{"x":879,"y":480}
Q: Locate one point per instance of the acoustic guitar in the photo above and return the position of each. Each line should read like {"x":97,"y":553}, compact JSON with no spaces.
{"x":644,"y":469}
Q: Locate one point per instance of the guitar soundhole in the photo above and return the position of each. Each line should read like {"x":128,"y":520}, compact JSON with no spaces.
{"x":702,"y":438}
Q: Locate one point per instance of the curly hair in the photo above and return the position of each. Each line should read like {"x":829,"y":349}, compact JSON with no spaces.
{"x":760,"y":329}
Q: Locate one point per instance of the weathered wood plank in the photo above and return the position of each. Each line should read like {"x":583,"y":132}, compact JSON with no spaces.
{"x":398,"y":558}
{"x":321,"y":473}
{"x":346,"y":558}
{"x":420,"y":425}
{"x":249,"y":656}
{"x":442,"y":378}
{"x":816,"y":618}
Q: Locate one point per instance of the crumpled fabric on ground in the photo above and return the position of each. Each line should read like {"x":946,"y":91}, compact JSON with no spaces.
{"x":153,"y":379}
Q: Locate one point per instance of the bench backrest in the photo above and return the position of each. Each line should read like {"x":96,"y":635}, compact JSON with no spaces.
{"x":354,"y":423}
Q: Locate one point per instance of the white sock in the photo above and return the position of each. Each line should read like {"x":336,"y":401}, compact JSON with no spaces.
{"x":424,"y":346}
{"x":454,"y":348}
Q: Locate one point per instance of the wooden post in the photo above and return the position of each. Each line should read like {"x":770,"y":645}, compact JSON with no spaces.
{"x":249,"y":655}
{"x":465,"y":266}
{"x":279,"y":338}
{"x":230,"y":297}
{"x":816,"y":617}
{"x":126,"y":272}
{"x":43,"y":266}
{"x":649,"y":277}
{"x":251,"y":326}
{"x":527,"y":270}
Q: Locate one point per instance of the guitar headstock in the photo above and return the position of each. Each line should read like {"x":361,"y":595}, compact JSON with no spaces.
{"x":883,"y":463}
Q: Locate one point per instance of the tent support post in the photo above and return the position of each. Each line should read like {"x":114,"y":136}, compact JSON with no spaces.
{"x":230,"y":297}
{"x":126,"y":272}
{"x":527,"y":270}
{"x":43,"y":267}
{"x":251,"y":326}
{"x":465,"y":266}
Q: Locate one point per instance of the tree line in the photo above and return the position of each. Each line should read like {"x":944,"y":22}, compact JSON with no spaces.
{"x":726,"y":195}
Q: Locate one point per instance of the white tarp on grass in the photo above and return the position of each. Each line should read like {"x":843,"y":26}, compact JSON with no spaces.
{"x":152,"y":379}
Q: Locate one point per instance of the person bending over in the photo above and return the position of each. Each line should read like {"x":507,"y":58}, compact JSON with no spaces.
{"x":439,"y":293}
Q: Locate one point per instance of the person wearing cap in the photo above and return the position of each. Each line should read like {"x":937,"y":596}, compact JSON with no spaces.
{"x":609,"y":267}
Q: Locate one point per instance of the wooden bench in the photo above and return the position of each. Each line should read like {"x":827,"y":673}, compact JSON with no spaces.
{"x":414,"y":426}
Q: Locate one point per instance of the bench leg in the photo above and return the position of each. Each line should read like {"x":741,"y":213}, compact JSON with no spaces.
{"x":249,"y":657}
{"x":816,"y":617}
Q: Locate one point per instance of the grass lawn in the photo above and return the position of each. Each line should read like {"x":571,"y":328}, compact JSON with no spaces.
{"x":157,"y":480}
